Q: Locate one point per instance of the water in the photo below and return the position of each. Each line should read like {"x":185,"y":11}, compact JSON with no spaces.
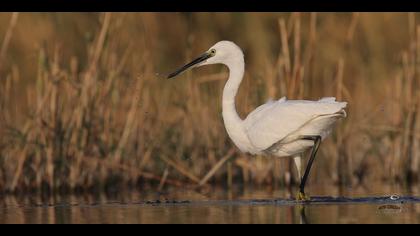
{"x":252,"y":205}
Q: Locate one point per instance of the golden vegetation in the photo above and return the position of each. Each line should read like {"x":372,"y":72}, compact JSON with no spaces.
{"x":85,"y":105}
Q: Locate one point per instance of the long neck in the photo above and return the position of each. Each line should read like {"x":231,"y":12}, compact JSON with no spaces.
{"x":236,"y":73}
{"x":233,"y":122}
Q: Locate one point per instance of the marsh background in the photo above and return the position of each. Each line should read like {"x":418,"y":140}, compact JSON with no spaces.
{"x":85,"y":106}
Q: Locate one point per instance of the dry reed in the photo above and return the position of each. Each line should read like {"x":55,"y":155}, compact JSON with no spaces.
{"x":103,"y":118}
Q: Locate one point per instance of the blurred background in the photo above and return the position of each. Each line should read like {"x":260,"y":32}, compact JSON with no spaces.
{"x":85,"y":106}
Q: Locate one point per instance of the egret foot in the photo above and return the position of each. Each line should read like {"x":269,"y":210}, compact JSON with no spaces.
{"x":301,"y":196}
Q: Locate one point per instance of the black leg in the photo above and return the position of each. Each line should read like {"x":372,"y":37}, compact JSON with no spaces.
{"x":317,"y":142}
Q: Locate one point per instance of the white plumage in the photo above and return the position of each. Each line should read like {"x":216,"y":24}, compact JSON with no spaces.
{"x":277,"y":128}
{"x":284,"y":121}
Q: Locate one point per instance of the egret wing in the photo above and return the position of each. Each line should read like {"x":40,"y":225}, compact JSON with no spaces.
{"x":275,"y":120}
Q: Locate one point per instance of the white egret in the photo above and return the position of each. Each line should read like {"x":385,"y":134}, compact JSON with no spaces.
{"x":278,"y":128}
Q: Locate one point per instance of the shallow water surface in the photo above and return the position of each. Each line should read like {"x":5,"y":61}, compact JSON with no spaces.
{"x":215,"y":206}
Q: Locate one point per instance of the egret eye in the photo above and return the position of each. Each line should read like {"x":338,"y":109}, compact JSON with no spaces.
{"x":213,"y":52}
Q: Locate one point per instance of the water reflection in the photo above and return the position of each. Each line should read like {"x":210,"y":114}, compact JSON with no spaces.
{"x":303,"y":218}
{"x":125,"y":208}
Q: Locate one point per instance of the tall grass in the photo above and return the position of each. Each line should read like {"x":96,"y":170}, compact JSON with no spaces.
{"x":90,"y":108}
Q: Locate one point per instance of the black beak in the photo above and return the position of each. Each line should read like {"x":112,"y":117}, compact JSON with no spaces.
{"x":199,"y":59}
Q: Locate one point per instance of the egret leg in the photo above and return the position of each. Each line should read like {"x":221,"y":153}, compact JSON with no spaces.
{"x":317,"y":142}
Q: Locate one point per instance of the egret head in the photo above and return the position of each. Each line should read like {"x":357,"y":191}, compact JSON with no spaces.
{"x":221,"y":53}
